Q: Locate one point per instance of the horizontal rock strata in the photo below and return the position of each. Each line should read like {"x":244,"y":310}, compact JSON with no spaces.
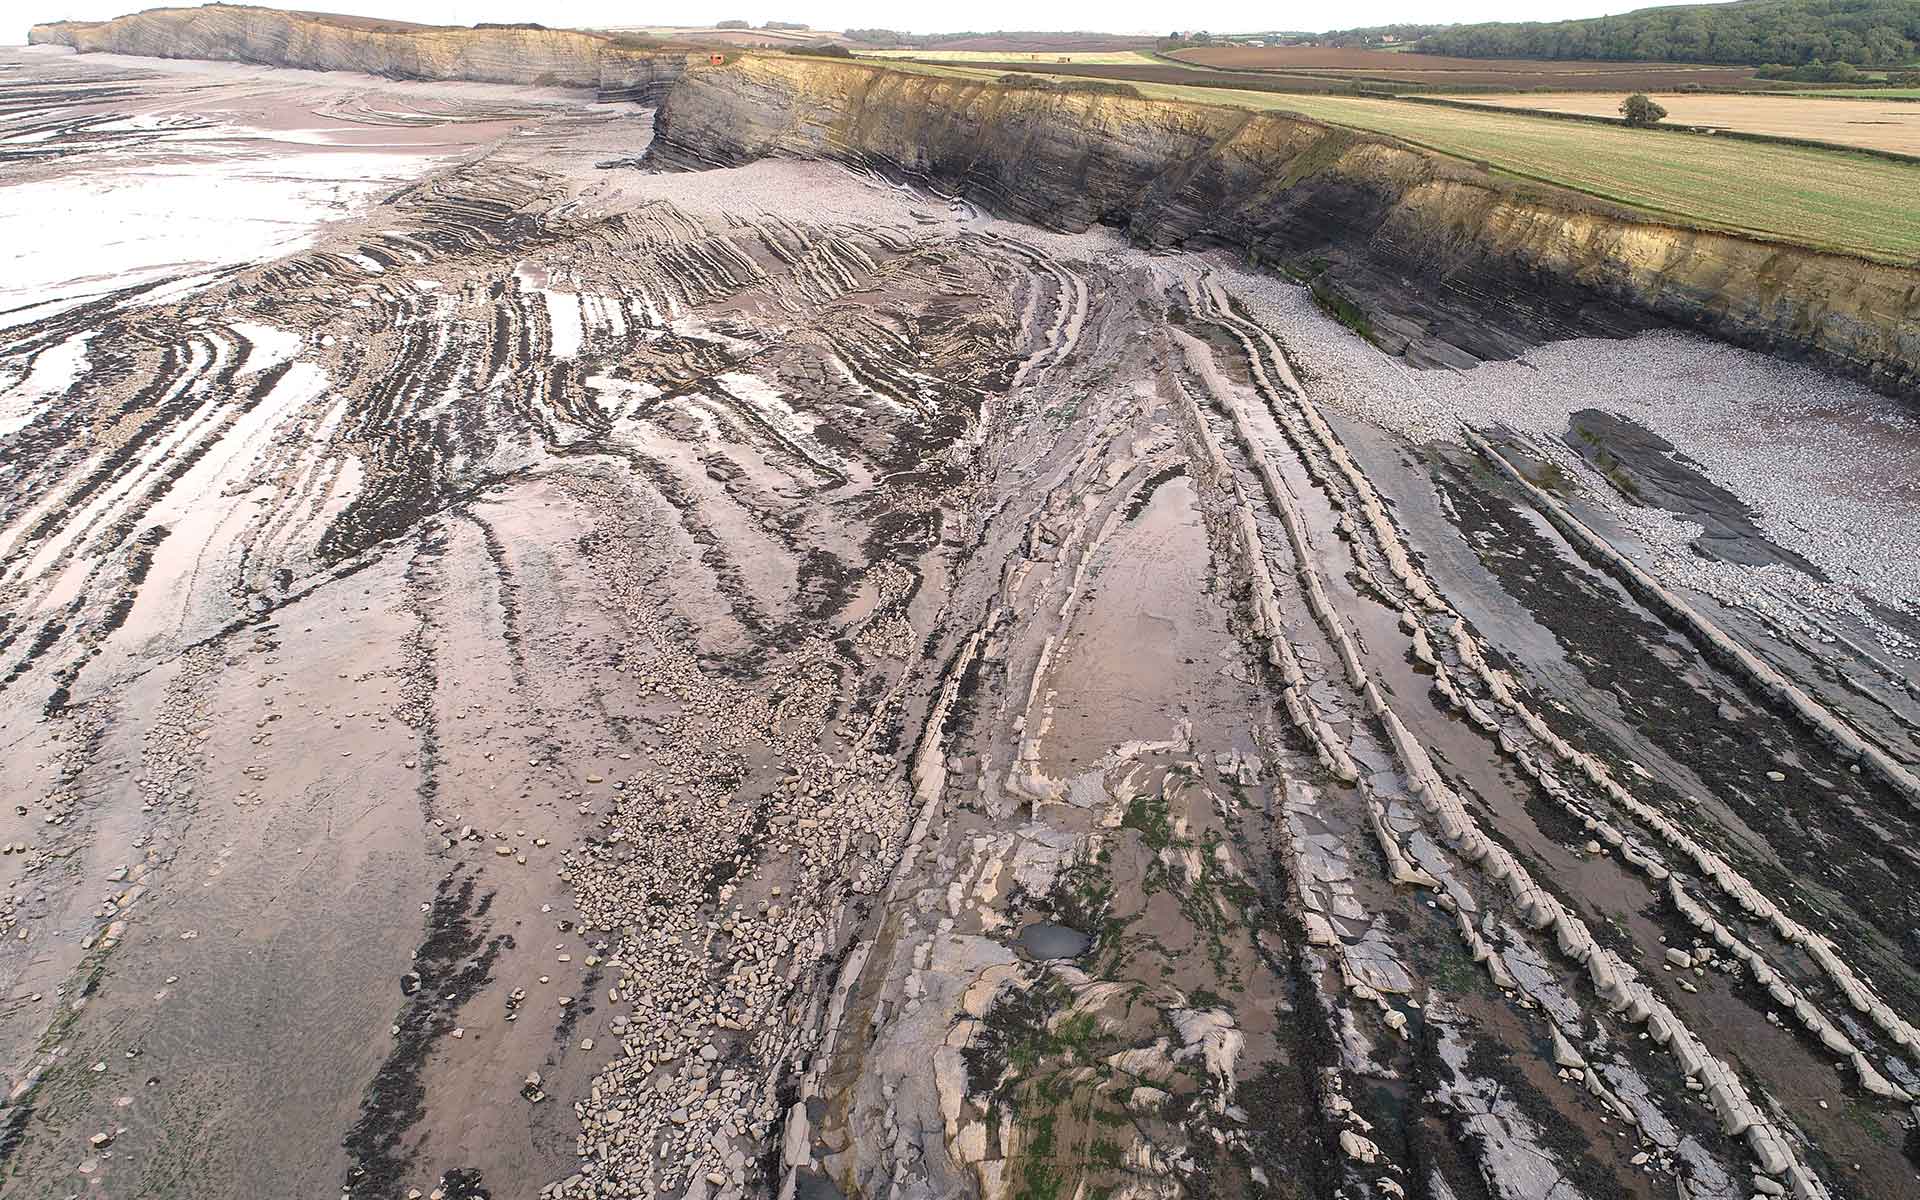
{"x":1435,"y":259}
{"x":1427,"y":256}
{"x":270,"y":37}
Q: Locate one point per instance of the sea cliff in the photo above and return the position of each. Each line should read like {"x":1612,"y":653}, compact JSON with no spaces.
{"x":271,"y":37}
{"x":1428,"y":256}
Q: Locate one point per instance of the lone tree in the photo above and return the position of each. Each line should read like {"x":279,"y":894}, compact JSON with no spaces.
{"x":1640,"y":111}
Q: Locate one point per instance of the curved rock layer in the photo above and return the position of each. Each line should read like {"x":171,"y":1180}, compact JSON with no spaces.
{"x":761,"y":683}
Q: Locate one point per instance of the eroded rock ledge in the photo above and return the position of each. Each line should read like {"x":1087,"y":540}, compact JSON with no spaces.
{"x":1429,"y":257}
{"x":271,"y":37}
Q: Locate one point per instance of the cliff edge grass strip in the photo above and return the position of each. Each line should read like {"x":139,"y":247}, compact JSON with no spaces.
{"x":1826,"y":199}
{"x":1823,"y":199}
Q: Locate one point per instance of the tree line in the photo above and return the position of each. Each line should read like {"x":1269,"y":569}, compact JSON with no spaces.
{"x":1374,"y":34}
{"x":1863,"y":33}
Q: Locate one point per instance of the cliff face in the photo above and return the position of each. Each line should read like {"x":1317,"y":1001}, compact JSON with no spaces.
{"x":545,"y":57}
{"x":1432,"y":258}
{"x":1429,"y":257}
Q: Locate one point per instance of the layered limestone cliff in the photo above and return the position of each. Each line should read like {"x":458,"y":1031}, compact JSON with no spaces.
{"x":543,"y":57}
{"x":1426,"y":255}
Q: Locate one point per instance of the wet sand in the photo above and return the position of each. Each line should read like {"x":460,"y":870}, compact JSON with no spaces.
{"x":521,"y":677}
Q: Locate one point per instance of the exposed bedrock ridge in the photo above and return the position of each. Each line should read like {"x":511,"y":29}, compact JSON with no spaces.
{"x":1432,"y":257}
{"x":1437,"y":257}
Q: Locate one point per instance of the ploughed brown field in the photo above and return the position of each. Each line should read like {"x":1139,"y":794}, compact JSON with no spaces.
{"x":1436,"y":68}
{"x":1061,"y":42}
{"x":1183,"y":76}
{"x":702,"y":35}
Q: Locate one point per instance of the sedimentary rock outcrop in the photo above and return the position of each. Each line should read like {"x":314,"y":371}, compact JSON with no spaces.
{"x":1441,"y":260}
{"x":1435,"y":259}
{"x":529,"y":55}
{"x":770,"y":682}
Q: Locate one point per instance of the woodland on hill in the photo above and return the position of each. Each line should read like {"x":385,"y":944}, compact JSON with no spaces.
{"x":1866,"y":33}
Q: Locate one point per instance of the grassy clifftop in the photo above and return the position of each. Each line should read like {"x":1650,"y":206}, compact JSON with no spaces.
{"x":1480,"y":260}
{"x":1478,"y":241}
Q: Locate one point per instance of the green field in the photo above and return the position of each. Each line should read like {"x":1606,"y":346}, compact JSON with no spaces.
{"x":1828,"y":199}
{"x":1825,"y":198}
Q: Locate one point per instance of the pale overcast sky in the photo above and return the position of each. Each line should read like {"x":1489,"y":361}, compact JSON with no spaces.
{"x":1225,"y":16}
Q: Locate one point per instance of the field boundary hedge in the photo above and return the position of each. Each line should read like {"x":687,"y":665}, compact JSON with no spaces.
{"x":1736,"y":135}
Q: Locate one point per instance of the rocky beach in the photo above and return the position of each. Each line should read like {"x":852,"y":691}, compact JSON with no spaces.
{"x":538,"y":659}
